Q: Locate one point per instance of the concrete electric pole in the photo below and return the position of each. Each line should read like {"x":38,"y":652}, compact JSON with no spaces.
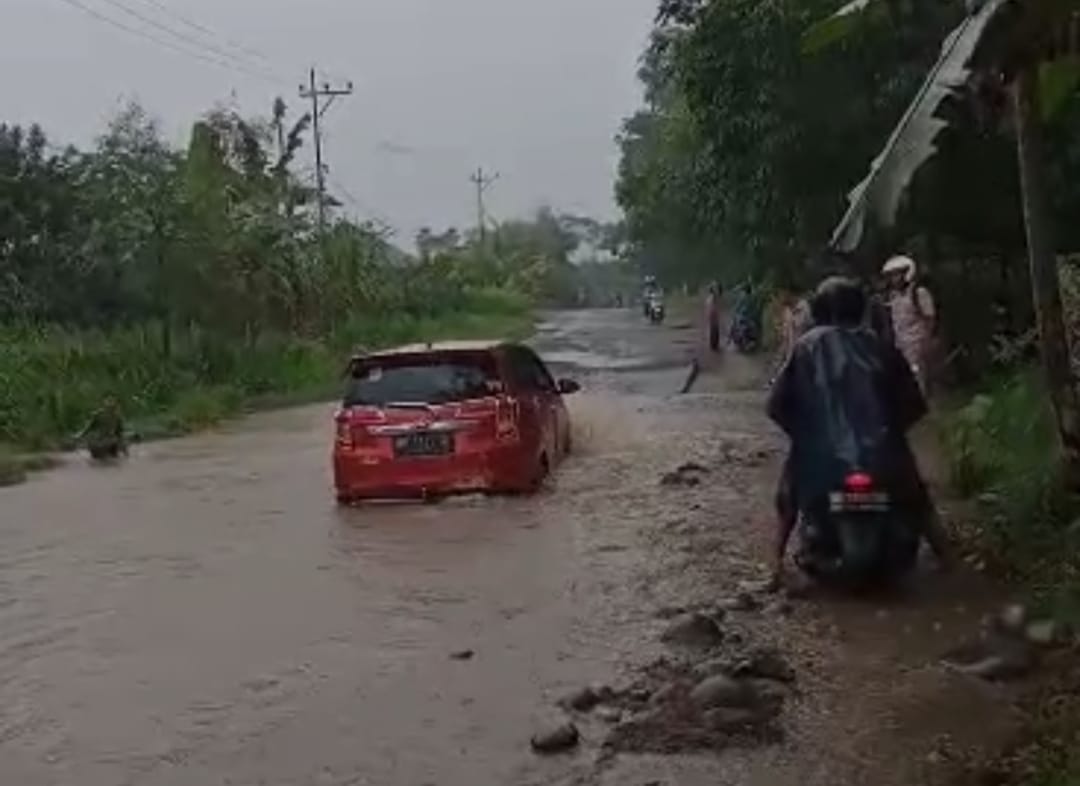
{"x":483,"y":183}
{"x":316,"y":93}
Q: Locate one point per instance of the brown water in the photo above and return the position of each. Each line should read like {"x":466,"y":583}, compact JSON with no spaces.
{"x":204,"y":614}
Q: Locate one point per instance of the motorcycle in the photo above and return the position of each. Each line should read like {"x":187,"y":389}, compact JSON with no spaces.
{"x":745,"y":335}
{"x":654,"y":310}
{"x":107,"y":452}
{"x":858,"y":536}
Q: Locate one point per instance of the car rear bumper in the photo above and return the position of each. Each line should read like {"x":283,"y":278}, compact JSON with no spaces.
{"x":359,"y":477}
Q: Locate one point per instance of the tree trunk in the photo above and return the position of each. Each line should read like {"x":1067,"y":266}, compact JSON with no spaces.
{"x":1045,"y":285}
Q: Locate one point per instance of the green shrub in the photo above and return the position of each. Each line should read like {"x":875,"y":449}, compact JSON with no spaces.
{"x":1002,"y":446}
{"x":51,"y":380}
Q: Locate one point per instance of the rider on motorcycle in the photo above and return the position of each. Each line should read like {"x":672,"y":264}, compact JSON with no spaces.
{"x":104,"y":433}
{"x":746,"y":318}
{"x":847,"y":398}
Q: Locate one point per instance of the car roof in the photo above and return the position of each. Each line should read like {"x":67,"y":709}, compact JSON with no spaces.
{"x":436,"y":347}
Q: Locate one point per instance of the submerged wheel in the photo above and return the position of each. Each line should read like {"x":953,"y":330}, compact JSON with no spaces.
{"x":543,"y":470}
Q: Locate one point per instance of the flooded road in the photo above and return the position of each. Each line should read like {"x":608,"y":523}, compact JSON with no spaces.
{"x":206,"y":615}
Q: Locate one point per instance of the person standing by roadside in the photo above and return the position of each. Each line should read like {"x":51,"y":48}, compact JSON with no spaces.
{"x":914,"y":316}
{"x":795,"y":319}
{"x":712,"y":316}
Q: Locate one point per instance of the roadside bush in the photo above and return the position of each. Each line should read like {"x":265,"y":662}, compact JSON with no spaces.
{"x":1002,"y":447}
{"x":51,"y":380}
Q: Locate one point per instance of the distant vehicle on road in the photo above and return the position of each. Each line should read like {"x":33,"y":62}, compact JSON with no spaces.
{"x":654,"y":309}
{"x":432,"y":420}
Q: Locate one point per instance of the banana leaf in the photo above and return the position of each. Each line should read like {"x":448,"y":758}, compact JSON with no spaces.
{"x":914,"y":140}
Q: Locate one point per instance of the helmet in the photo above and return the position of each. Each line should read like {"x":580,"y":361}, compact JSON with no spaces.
{"x":901,"y":264}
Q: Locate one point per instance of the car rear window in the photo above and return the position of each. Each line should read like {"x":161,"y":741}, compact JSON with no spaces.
{"x":378,"y":382}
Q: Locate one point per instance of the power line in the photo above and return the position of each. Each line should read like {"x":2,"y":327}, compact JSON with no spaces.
{"x":187,"y":39}
{"x":200,"y":28}
{"x":104,"y":19}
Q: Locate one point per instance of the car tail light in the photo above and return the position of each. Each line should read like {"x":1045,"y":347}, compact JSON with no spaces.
{"x":344,"y":431}
{"x":506,"y":421}
{"x":858,"y":482}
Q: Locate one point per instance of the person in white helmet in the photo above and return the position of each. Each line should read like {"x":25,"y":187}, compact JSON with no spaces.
{"x":914,"y":315}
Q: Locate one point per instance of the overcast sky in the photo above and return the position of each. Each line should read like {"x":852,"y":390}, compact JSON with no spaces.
{"x":534,"y":89}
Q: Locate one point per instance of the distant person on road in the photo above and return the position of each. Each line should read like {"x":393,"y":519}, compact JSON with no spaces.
{"x":712,"y":316}
{"x":797,"y":319}
{"x":914,"y":316}
{"x":104,"y":433}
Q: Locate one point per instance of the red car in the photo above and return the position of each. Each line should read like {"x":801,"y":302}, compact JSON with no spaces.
{"x":432,"y":420}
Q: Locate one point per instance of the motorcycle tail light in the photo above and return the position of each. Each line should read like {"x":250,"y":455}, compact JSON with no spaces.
{"x":858,"y":481}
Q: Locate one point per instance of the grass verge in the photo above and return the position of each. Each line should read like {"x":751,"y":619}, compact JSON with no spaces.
{"x":52,"y":380}
{"x":1001,"y":450}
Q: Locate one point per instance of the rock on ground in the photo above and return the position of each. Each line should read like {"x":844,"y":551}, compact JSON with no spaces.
{"x":583,"y":700}
{"x":693,"y":630}
{"x":766,"y":663}
{"x":723,"y":691}
{"x":556,"y":739}
{"x":1044,"y":633}
{"x":994,"y":658}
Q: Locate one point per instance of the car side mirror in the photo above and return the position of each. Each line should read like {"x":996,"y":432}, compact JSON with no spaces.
{"x":568,"y":387}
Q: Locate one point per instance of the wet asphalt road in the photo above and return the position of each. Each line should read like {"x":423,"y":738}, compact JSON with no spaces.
{"x":205,"y":615}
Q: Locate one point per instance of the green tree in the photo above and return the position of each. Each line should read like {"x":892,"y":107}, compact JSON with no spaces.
{"x":745,"y":145}
{"x":1028,"y":50}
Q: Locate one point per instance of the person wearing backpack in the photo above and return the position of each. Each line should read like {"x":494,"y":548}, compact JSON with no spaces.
{"x":914,"y":316}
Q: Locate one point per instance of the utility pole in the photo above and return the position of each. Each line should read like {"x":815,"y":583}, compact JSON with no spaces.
{"x":483,"y":183}
{"x":316,"y":93}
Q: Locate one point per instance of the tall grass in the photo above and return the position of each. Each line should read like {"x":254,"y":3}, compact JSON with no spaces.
{"x":51,"y":380}
{"x":1002,"y":447}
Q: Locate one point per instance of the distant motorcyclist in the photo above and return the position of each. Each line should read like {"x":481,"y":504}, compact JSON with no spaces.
{"x":104,"y":434}
{"x":746,"y":321}
{"x":841,"y":382}
{"x":649,"y":290}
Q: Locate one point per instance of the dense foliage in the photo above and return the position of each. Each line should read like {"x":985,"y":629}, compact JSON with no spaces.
{"x":742,"y":158}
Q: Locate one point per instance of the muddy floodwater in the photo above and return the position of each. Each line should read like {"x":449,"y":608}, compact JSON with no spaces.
{"x":204,"y":614}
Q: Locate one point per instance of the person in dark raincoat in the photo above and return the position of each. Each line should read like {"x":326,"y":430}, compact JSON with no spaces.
{"x":846,"y":399}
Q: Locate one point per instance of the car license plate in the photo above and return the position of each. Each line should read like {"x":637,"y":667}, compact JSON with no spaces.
{"x":847,"y":502}
{"x":424,"y":443}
